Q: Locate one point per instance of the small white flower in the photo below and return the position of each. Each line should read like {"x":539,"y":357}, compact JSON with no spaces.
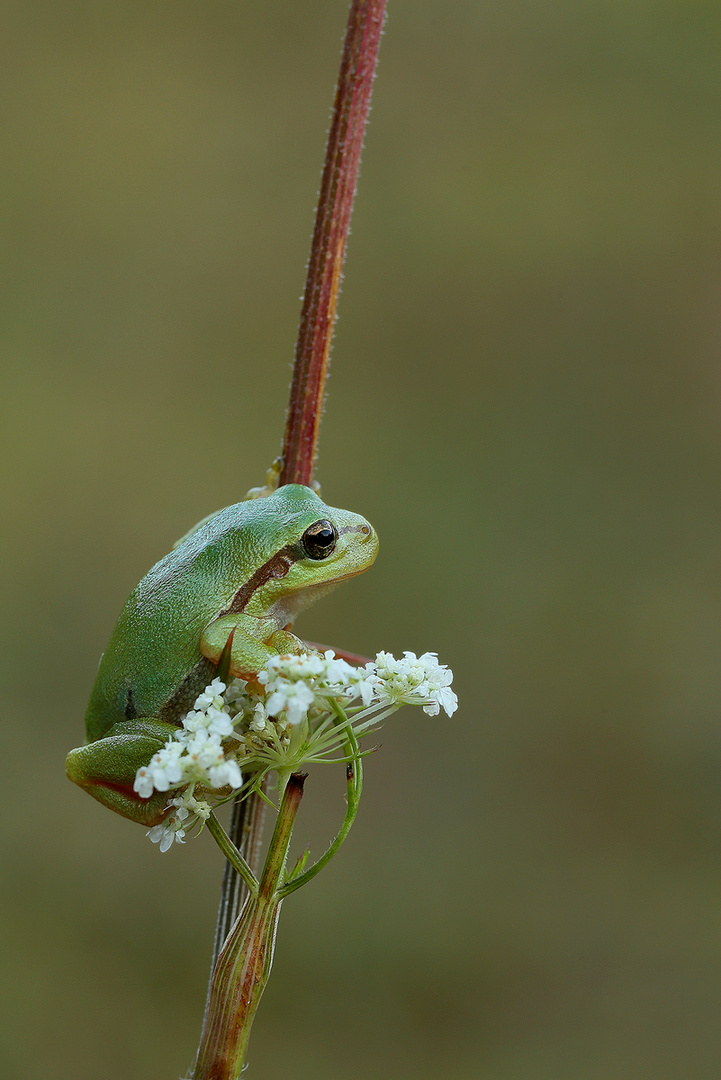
{"x":202,"y":751}
{"x":187,"y":805}
{"x":212,"y":695}
{"x":260,"y":718}
{"x":226,"y":774}
{"x":164,"y":834}
{"x":165,"y":767}
{"x":219,"y":722}
{"x":189,"y":810}
{"x":346,"y":681}
{"x":236,"y":695}
{"x":293,"y":697}
{"x":144,"y":783}
{"x":443,"y":698}
{"x":210,"y":712}
{"x":193,"y":721}
{"x":183,"y":813}
{"x":339,"y":672}
{"x":295,"y":684}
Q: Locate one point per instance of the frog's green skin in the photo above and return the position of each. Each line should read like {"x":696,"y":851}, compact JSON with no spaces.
{"x":245,"y":570}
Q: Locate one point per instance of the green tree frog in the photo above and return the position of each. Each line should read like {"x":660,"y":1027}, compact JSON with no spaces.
{"x":246,"y":570}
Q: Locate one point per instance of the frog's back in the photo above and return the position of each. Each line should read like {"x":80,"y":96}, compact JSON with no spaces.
{"x":152,"y":666}
{"x":153,"y":662}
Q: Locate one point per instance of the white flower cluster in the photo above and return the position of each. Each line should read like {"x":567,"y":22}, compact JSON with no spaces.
{"x":184,"y":813}
{"x":414,"y":680}
{"x":195,"y":754}
{"x":307,"y":705}
{"x":294,"y":684}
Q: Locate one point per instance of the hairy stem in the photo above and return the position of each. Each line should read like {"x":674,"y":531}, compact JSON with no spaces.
{"x":338,"y":184}
{"x":305,"y":406}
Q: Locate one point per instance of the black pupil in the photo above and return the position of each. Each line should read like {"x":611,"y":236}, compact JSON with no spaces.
{"x":319,"y":540}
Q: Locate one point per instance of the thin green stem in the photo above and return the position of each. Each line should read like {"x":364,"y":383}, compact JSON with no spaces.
{"x":354,"y":780}
{"x":232,"y":854}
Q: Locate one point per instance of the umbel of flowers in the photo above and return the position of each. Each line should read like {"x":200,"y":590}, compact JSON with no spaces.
{"x":300,"y":710}
{"x":303,"y":709}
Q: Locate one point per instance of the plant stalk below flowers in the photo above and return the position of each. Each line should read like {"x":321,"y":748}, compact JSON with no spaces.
{"x":244,"y":964}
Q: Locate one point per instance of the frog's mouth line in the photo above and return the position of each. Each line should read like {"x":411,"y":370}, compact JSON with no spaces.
{"x":289,"y":606}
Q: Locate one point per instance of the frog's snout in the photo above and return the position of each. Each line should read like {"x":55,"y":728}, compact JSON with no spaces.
{"x":360,"y":539}
{"x":369,"y":539}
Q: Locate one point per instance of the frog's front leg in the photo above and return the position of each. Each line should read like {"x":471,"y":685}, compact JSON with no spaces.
{"x":106,"y":768}
{"x":254,"y":642}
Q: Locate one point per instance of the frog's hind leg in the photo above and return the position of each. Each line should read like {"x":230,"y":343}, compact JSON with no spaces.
{"x":106,"y":768}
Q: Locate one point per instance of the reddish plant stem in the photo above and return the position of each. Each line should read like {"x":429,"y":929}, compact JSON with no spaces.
{"x":338,"y":184}
{"x":305,"y":406}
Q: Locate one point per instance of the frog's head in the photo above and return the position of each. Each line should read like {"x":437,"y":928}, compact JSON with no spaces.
{"x":301,"y":548}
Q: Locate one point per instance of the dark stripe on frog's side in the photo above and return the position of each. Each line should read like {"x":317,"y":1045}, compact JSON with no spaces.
{"x":130,"y":711}
{"x":277,"y":566}
{"x":184,"y":697}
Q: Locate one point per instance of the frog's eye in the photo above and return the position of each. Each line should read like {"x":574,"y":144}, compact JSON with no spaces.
{"x":319,"y":540}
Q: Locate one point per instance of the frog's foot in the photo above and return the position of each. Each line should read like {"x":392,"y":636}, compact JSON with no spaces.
{"x":350,"y":657}
{"x":272,"y":482}
{"x":252,"y":642}
{"x":106,"y":768}
{"x":284,"y":643}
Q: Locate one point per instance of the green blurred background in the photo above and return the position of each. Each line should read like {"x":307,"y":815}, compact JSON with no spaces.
{"x":526,"y":402}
